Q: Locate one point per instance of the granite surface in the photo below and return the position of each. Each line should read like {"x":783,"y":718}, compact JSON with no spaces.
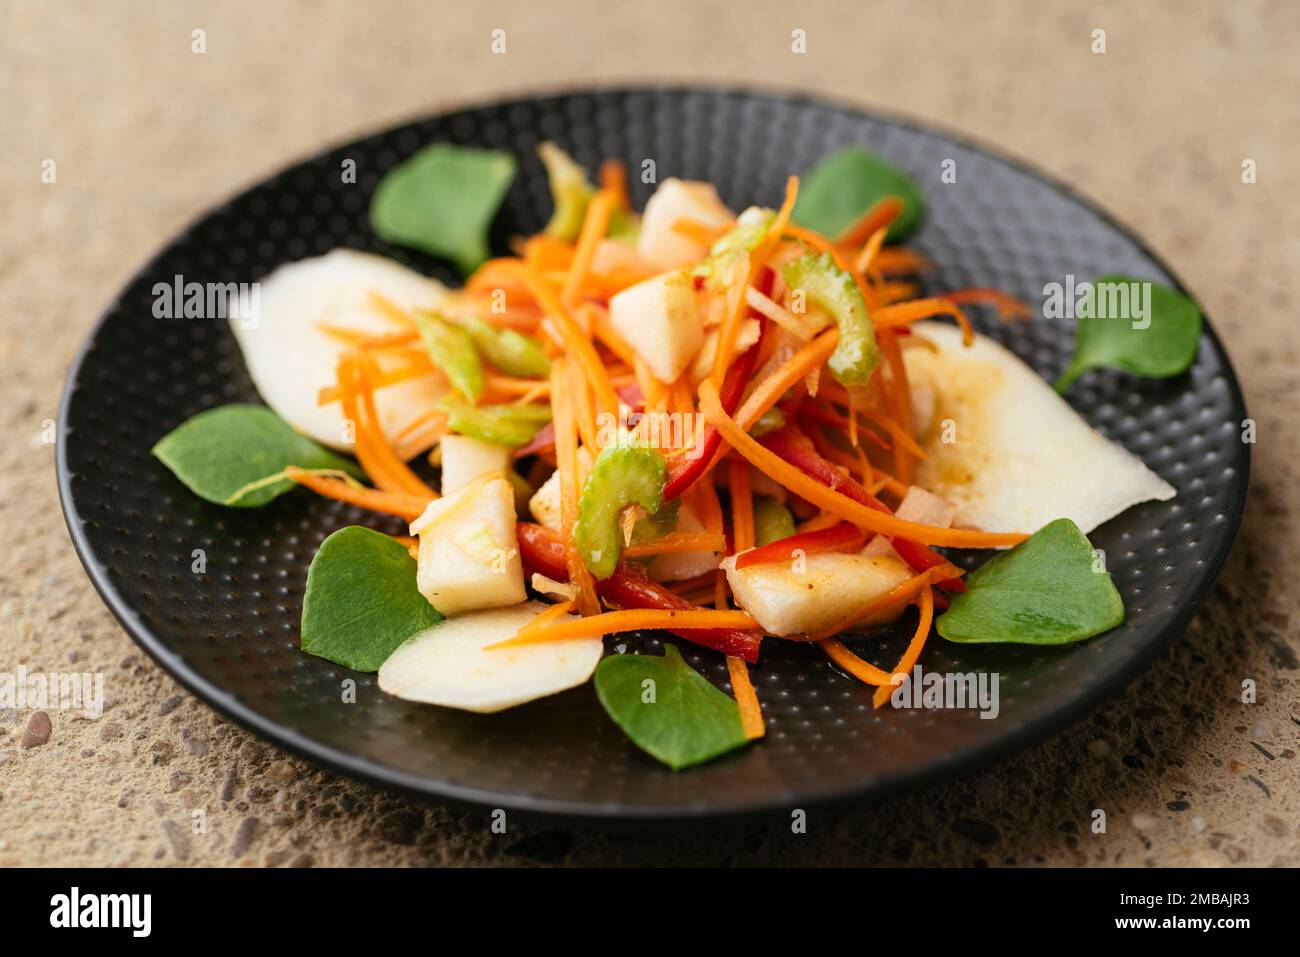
{"x":145,"y":134}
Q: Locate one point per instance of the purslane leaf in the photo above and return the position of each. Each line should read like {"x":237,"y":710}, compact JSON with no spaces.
{"x":362,"y":600}
{"x":233,"y":455}
{"x":442,"y":200}
{"x":847,"y":183}
{"x":1051,"y":589}
{"x":668,"y":709}
{"x":1157,"y":345}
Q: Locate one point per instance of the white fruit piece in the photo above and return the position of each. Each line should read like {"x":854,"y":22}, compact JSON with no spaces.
{"x":815,"y":592}
{"x":1009,"y":452}
{"x":291,"y":359}
{"x":448,"y":666}
{"x":660,"y":319}
{"x":465,"y":458}
{"x":545,"y":503}
{"x":469,"y":556}
{"x":920,"y":506}
{"x":678,"y":566}
{"x":675,"y":200}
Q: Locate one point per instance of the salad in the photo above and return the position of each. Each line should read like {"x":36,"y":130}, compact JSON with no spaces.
{"x":733,"y":427}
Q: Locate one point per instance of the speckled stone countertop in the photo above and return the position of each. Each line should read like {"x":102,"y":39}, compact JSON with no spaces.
{"x":146,"y":134}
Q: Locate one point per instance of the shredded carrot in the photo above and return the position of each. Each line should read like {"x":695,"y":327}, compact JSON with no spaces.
{"x":409,"y":507}
{"x":401,"y":473}
{"x":701,"y":233}
{"x":864,"y":671}
{"x":899,"y":401}
{"x":595,"y":224}
{"x":742,"y":507}
{"x":613,"y":179}
{"x":751,"y":712}
{"x":566,"y":456}
{"x":896,"y":261}
{"x":880,"y":216}
{"x":813,"y":491}
{"x":870,"y":249}
{"x":632,"y":619}
{"x":903,"y":313}
{"x":914,"y":647}
{"x":557,"y":610}
{"x":676,"y":542}
{"x":1008,"y":306}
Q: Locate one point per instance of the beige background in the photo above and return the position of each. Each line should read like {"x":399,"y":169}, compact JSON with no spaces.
{"x":146,"y":134}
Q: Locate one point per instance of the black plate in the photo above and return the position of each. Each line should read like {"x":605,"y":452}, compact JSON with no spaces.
{"x":230,"y":635}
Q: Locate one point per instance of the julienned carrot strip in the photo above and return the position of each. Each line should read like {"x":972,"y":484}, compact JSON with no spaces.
{"x":1008,"y":306}
{"x":742,"y":507}
{"x":555,"y":611}
{"x":818,"y":494}
{"x":881,"y":215}
{"x":677,"y":542}
{"x":870,"y":249}
{"x":698,"y":231}
{"x":613,"y":178}
{"x":566,"y":456}
{"x":903,"y":313}
{"x":363,"y":442}
{"x":897,"y":261}
{"x":781,"y":222}
{"x":864,"y":671}
{"x":751,"y":712}
{"x":409,"y":507}
{"x":899,"y":400}
{"x":635,"y":619}
{"x":576,"y":341}
{"x":595,"y":223}
{"x":914,"y":647}
{"x":411,"y":482}
{"x":785,"y":376}
{"x":730,"y":329}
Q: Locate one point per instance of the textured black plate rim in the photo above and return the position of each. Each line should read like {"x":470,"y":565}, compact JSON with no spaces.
{"x":573,"y":811}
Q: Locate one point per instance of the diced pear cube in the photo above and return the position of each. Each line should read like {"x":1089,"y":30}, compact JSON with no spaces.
{"x":816,"y":591}
{"x":660,"y":319}
{"x":469,"y":556}
{"x":679,"y":566}
{"x":674,"y":200}
{"x":465,"y":458}
{"x":545,"y":503}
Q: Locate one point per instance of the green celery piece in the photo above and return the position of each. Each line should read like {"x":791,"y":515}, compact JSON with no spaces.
{"x":1051,"y":589}
{"x":624,"y":473}
{"x":442,"y":200}
{"x":510,"y":351}
{"x":451,"y":349}
{"x":509,"y":425}
{"x":361,"y":600}
{"x":836,"y":292}
{"x":772,"y":521}
{"x":571,"y":191}
{"x":234,"y":455}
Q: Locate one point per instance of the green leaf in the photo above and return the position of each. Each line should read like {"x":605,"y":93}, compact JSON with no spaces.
{"x":362,"y":600}
{"x":234,"y":455}
{"x":1156,"y":340}
{"x":442,"y":200}
{"x":668,"y":710}
{"x":451,"y":349}
{"x":847,"y":183}
{"x":510,"y":425}
{"x":1051,"y":589}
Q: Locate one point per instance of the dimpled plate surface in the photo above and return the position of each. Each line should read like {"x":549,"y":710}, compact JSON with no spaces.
{"x":230,"y":634}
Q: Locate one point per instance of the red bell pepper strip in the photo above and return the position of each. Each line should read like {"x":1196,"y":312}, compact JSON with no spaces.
{"x":844,"y":537}
{"x":684,"y":470}
{"x":543,"y":552}
{"x":797,"y":449}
